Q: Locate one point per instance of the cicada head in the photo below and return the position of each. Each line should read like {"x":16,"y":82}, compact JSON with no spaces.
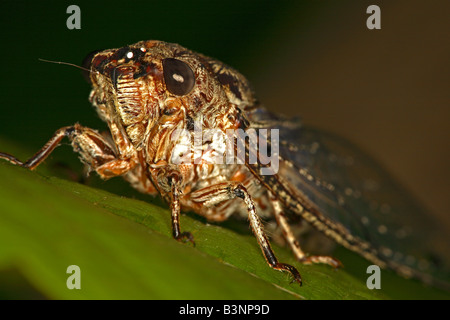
{"x":153,"y":84}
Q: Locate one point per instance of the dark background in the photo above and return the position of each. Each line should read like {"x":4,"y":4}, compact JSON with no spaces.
{"x":386,"y":90}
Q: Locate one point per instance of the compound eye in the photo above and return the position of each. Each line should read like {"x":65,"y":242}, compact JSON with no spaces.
{"x":179,"y":77}
{"x":87,"y":62}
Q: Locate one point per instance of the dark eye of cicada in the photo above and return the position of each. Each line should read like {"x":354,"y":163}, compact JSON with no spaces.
{"x":178,"y":76}
{"x":87,"y":61}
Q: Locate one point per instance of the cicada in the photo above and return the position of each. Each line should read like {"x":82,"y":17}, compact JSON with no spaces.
{"x":190,"y":129}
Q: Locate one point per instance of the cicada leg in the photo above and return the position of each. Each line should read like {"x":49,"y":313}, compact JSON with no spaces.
{"x":218,"y":193}
{"x":292,"y":241}
{"x":175,"y":208}
{"x":93,"y":148}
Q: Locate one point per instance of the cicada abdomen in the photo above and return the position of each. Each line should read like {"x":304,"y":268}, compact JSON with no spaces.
{"x":349,"y":197}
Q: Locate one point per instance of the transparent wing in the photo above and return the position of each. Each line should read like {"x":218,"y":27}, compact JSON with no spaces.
{"x":348,"y":187}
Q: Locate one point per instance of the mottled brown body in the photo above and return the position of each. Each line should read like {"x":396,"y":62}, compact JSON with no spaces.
{"x":142,"y":115}
{"x":146,"y":92}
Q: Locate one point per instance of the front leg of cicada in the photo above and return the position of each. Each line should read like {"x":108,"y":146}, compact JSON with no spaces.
{"x":215,"y":194}
{"x":173,"y":181}
{"x":94,"y":150}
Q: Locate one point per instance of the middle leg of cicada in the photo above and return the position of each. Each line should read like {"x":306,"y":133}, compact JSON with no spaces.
{"x":218,"y":193}
{"x":292,"y":241}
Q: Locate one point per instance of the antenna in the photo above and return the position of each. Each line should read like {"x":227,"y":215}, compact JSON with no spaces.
{"x":67,"y":64}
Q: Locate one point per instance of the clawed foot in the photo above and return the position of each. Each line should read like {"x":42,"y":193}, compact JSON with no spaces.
{"x":186,"y":237}
{"x":292,"y":270}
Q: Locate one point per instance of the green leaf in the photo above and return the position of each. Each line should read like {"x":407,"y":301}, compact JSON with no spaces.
{"x":125,"y":250}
